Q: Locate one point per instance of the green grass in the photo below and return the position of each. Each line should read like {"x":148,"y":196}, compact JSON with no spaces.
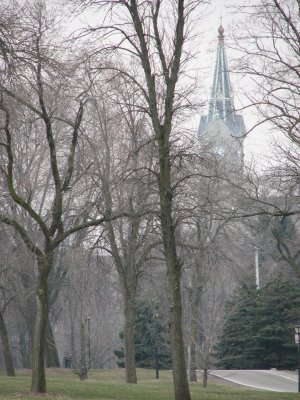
{"x":109,"y":385}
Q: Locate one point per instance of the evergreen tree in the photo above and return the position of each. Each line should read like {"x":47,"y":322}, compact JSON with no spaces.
{"x":151,"y":340}
{"x":283,"y":228}
{"x":259,"y":327}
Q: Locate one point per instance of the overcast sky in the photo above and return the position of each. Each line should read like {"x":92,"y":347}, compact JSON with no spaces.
{"x":257,"y":144}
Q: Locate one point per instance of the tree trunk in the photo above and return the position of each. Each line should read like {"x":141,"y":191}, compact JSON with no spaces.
{"x":38,"y":384}
{"x":192,"y":367}
{"x":25,"y":348}
{"x":82,"y":367}
{"x":72,"y":340}
{"x":129,"y":347}
{"x":205,"y":377}
{"x":181,"y":386}
{"x":52,"y":359}
{"x":10,"y":371}
{"x":156,"y":366}
{"x":196,"y":293}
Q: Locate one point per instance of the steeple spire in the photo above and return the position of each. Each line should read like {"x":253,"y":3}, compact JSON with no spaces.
{"x":221,"y":104}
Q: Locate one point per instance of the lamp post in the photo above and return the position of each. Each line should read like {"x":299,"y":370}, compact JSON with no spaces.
{"x":297,"y":340}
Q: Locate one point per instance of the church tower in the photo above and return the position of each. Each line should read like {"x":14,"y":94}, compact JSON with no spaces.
{"x":222,"y":126}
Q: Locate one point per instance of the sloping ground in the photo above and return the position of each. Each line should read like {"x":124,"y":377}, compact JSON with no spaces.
{"x":273,"y":380}
{"x":110,"y":385}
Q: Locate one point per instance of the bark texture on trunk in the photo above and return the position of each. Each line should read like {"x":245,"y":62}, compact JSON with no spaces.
{"x":52,"y":359}
{"x":38,"y":383}
{"x":10,"y":371}
{"x":181,"y":386}
{"x":129,"y":346}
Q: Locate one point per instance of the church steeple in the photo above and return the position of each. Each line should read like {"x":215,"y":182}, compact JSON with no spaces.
{"x":221,"y":105}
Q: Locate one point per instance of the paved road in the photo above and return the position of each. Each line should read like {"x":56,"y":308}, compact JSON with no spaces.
{"x":277,"y":381}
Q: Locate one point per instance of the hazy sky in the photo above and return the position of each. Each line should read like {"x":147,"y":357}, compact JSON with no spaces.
{"x":257,"y":143}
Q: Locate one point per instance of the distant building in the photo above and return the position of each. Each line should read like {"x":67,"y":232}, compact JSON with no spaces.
{"x":222,"y":126}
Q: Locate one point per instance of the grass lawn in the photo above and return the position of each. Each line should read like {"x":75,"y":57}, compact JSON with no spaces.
{"x":62,"y":384}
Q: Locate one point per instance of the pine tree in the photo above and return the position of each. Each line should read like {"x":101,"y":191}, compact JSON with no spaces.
{"x":258,"y":329}
{"x":151,"y":339}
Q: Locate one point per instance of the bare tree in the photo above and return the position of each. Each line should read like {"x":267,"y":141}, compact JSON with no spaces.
{"x":267,"y":40}
{"x":6,"y":297}
{"x":34,"y":95}
{"x":204,"y":252}
{"x":158,"y":48}
{"x":123,"y":157}
{"x":91,"y":295}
